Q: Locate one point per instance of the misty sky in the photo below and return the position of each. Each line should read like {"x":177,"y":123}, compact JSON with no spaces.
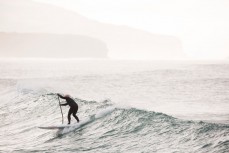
{"x":201,"y":25}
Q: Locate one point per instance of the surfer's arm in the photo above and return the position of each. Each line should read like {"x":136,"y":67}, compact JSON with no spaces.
{"x":62,"y":97}
{"x":64,"y":104}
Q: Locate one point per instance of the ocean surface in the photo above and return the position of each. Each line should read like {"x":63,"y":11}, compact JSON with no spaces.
{"x":124,"y":106}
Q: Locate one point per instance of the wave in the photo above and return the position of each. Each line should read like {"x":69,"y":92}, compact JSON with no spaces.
{"x":105,"y":126}
{"x":150,"y":130}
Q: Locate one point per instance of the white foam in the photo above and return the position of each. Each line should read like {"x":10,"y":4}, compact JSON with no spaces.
{"x":104,"y":112}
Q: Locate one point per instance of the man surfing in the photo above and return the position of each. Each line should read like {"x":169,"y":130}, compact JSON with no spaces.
{"x":73,"y":107}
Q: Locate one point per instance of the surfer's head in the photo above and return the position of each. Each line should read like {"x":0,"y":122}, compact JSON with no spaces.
{"x":67,"y":96}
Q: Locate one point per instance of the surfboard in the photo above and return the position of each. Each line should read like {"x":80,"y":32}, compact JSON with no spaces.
{"x":65,"y":127}
{"x":55,"y":127}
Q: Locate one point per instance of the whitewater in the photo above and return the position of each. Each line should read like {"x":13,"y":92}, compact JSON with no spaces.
{"x":124,"y":106}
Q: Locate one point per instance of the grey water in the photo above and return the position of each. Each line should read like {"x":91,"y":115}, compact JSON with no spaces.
{"x":132,"y":106}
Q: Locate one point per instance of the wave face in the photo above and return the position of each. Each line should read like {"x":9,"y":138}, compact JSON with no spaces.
{"x":110,"y":129}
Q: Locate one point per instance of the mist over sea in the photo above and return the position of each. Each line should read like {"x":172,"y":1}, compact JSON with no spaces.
{"x":127,"y":106}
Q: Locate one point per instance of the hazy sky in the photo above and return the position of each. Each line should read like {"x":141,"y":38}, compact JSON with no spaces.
{"x":202,"y":25}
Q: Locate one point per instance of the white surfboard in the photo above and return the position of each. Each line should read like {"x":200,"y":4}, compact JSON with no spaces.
{"x":66,"y":127}
{"x":54,"y":127}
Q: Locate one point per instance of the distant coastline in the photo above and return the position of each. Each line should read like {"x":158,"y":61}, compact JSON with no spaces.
{"x":51,"y":46}
{"x":112,"y":41}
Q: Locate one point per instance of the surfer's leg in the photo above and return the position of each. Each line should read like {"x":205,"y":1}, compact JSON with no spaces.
{"x":69,"y":115}
{"x":74,"y":114}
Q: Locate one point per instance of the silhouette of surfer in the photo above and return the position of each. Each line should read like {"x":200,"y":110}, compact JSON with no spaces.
{"x":73,"y":107}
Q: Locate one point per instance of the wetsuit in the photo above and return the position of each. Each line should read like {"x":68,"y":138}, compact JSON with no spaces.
{"x":73,"y":107}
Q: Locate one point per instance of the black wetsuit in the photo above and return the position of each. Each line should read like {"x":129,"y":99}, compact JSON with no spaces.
{"x":73,"y":108}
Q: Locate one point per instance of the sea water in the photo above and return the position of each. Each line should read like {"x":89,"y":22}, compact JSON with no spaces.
{"x":127,"y":106}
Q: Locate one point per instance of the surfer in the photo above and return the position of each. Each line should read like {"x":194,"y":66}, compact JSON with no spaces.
{"x":73,"y":107}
